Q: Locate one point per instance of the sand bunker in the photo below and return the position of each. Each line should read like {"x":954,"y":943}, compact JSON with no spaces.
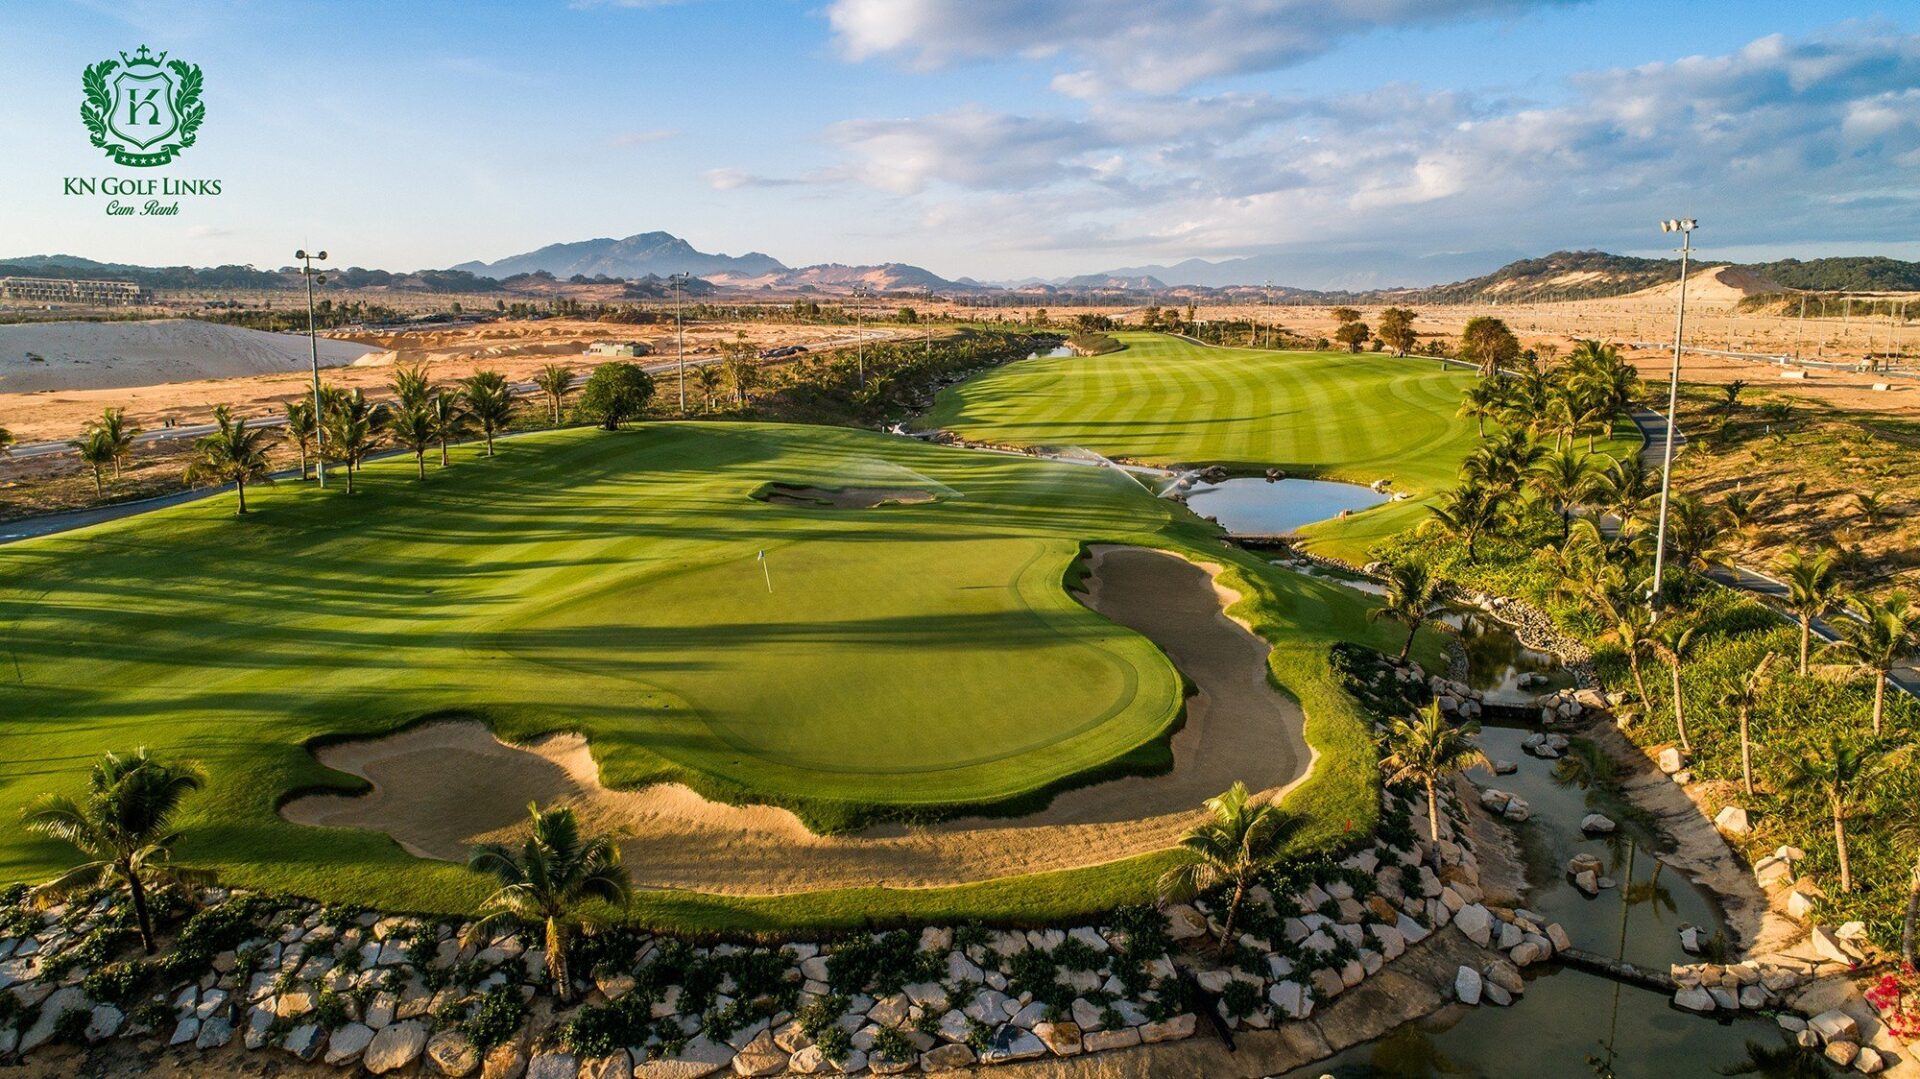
{"x":844,"y":498}
{"x":38,"y":356}
{"x":1239,"y":728}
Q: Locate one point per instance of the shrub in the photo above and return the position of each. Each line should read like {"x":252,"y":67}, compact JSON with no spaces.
{"x":497,"y":1017}
{"x":894,"y":1045}
{"x":1241,"y":998}
{"x":834,"y":1042}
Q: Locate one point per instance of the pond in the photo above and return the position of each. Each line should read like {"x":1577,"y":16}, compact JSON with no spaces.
{"x":1253,"y":506}
{"x":1498,"y":664}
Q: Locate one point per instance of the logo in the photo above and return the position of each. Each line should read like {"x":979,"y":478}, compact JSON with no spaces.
{"x":147,"y":112}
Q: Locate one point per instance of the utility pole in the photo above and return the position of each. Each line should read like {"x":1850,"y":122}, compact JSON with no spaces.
{"x":1684,"y":226}
{"x":679,"y":282}
{"x":929,"y":323}
{"x":313,"y":346}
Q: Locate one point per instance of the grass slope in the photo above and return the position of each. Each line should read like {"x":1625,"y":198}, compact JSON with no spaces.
{"x":610,"y":583}
{"x":1166,"y":400}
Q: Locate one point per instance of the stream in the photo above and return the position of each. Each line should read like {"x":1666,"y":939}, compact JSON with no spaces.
{"x":1570,"y":1022}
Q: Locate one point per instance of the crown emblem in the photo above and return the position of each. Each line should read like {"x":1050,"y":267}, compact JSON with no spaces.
{"x":144,"y":57}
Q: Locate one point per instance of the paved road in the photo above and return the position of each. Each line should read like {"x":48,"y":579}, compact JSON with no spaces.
{"x":1653,"y":427}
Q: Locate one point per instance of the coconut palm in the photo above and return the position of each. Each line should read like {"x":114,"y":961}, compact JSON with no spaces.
{"x":1730,"y":400}
{"x":1743,"y":698}
{"x":416,"y":428}
{"x":450,"y":421}
{"x":1878,"y":636}
{"x":1562,"y":477}
{"x":489,"y":400}
{"x":116,"y":434}
{"x":231,"y":454}
{"x":1625,"y":485}
{"x":1906,"y":832}
{"x":1481,"y":402}
{"x":1696,"y":532}
{"x":1672,"y":641}
{"x":1870,"y":507}
{"x":300,"y":428}
{"x":1428,"y":750}
{"x":1470,"y":511}
{"x":1633,"y":632}
{"x":1744,"y":512}
{"x":1241,"y":841}
{"x":354,"y":425}
{"x":1841,"y":770}
{"x":1812,"y":587}
{"x":709,"y":378}
{"x":122,"y":824}
{"x":96,"y":451}
{"x":554,"y":874}
{"x":555,"y":380}
{"x":1411,"y":592}
{"x":411,"y":388}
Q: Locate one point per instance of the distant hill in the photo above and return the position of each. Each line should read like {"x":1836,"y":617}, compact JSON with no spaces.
{"x":1136,"y":283}
{"x":1563,"y":275}
{"x":639,"y":255}
{"x":1864,"y":273}
{"x":238,"y":277}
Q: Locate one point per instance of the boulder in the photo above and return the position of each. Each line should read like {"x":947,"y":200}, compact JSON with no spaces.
{"x":553,"y":1066}
{"x":1799,"y":905}
{"x":949,"y":1057}
{"x":1474,"y":920}
{"x":1670,"y":760}
{"x":1467,"y":985}
{"x":453,"y":1054}
{"x":346,"y":1044}
{"x":395,"y":1047}
{"x":1694,"y":999}
{"x":1062,"y":1038}
{"x":1835,"y":1026}
{"x":1828,"y":946}
{"x":1732,"y":820}
{"x":1010,"y":1043}
{"x":1597,"y":824}
{"x":1841,"y":1053}
{"x":1180,"y":1026}
{"x":305,"y":1041}
{"x":1102,"y":1040}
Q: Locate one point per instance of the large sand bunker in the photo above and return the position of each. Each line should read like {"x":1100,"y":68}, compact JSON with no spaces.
{"x":38,"y":356}
{"x":845,"y":498}
{"x":1238,"y":728}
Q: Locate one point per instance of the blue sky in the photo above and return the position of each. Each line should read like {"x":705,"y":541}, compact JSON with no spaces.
{"x":1351,"y":141}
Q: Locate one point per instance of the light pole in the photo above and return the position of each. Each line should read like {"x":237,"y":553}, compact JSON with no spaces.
{"x":313,"y":345}
{"x":678,"y":281}
{"x":1684,"y":226}
{"x":929,"y":323}
{"x":860,"y":293}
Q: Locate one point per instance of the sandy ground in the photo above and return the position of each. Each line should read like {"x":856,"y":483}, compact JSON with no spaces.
{"x":1238,"y":728}
{"x":847,"y":498}
{"x":37,"y":356}
{"x":516,"y":349}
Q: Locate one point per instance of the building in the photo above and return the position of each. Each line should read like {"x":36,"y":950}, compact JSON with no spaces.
{"x":64,"y":290}
{"x":619,"y":348}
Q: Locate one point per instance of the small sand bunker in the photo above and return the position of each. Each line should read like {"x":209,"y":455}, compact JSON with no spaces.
{"x":441,"y":787}
{"x":844,"y":498}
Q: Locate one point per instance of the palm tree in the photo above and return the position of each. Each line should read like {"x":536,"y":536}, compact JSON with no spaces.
{"x":1427,"y":750}
{"x":232,"y":454}
{"x":1812,"y":587}
{"x":122,"y":825}
{"x":489,"y":400}
{"x":1871,"y":507}
{"x":300,"y":427}
{"x":1470,"y":511}
{"x":6,"y":442}
{"x":1878,"y":636}
{"x":97,"y":452}
{"x":709,"y":378}
{"x":450,"y":421}
{"x":1624,"y":486}
{"x":117,"y":434}
{"x":1411,"y":592}
{"x":1672,"y":641}
{"x":1562,"y":477}
{"x":1240,"y":842}
{"x":411,"y":387}
{"x":1696,"y":532}
{"x":1744,"y":512}
{"x":1481,"y":401}
{"x":1906,"y":832}
{"x":1730,"y":400}
{"x":1633,"y":630}
{"x":416,"y":428}
{"x":353,"y":430}
{"x":1743,"y":698}
{"x":1840,"y":770}
{"x":554,"y":380}
{"x":554,"y":873}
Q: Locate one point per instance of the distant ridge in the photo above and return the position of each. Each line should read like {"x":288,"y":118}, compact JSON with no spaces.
{"x":643,"y":253}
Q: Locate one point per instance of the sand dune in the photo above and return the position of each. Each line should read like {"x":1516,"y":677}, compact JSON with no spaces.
{"x":37,"y":356}
{"x":1716,"y":286}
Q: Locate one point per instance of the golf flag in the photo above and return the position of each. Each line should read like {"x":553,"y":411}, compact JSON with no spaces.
{"x":764,"y":570}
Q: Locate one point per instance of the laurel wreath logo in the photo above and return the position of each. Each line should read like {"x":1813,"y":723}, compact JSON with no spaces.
{"x":187,"y":107}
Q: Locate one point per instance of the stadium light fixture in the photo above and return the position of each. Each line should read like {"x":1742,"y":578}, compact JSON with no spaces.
{"x":1684,"y":226}
{"x":313,"y":346}
{"x":678,"y":282}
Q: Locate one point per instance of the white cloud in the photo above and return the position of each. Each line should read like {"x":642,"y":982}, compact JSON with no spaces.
{"x":1159,"y":46}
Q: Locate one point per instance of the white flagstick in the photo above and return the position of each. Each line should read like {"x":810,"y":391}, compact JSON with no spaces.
{"x":766,"y":571}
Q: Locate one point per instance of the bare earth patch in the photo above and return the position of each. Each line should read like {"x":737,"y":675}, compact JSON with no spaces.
{"x":1238,"y":728}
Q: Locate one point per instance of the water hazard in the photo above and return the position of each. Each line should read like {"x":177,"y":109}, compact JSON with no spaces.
{"x":1253,"y":506}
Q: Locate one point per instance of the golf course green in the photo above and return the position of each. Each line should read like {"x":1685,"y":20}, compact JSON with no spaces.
{"x":895,"y":660}
{"x":1169,"y":401}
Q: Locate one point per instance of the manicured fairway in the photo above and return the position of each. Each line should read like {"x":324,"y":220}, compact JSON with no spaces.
{"x":1164,"y":400}
{"x":906,"y":656}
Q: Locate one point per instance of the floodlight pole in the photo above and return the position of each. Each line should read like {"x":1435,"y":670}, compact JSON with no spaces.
{"x":929,"y":324}
{"x":860,"y":292}
{"x":680,"y":337}
{"x":1685,"y":227}
{"x":313,"y":346}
